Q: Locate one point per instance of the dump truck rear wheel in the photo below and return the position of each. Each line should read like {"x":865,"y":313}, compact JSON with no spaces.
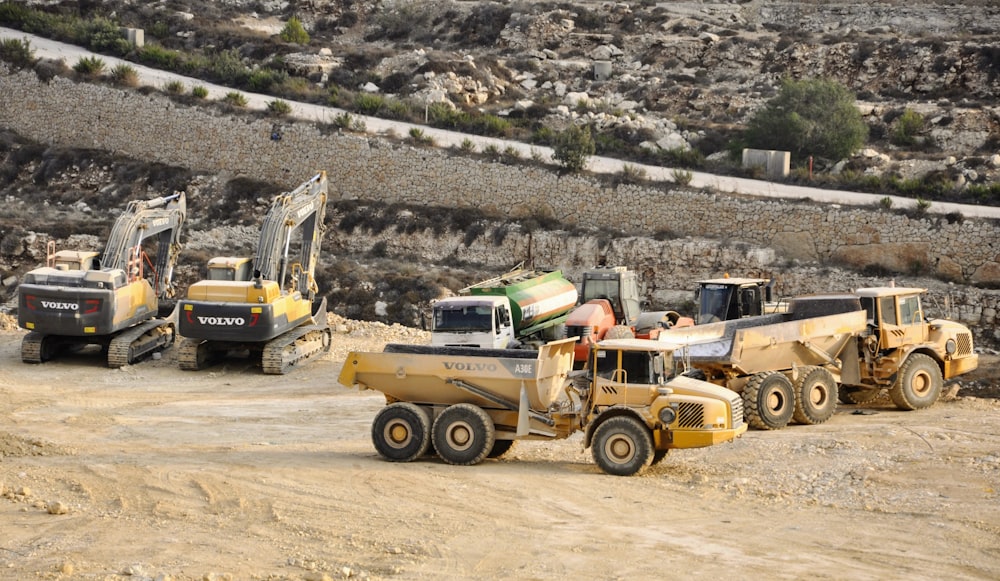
{"x":769,"y":401}
{"x":815,"y":396}
{"x":463,"y":434}
{"x":622,"y":446}
{"x":918,"y":384}
{"x":401,"y":432}
{"x":500,"y":447}
{"x":858,"y":395}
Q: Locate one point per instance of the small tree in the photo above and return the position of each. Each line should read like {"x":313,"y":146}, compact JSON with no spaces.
{"x":809,"y":117}
{"x":17,"y":52}
{"x":294,"y":32}
{"x":907,"y":126}
{"x":572,"y":147}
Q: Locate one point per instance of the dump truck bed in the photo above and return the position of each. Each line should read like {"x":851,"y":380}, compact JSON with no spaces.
{"x":768,"y":342}
{"x":427,"y":375}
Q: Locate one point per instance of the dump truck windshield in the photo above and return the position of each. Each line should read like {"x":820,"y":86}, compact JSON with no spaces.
{"x":715,"y":303}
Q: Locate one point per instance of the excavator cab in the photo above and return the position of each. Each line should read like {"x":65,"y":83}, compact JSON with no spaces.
{"x":229,"y":268}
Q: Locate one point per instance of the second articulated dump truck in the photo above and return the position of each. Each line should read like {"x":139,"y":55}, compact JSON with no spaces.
{"x":467,"y":404}
{"x":788,"y":365}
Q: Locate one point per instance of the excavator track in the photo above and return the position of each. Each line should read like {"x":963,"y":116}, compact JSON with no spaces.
{"x":192,"y":354}
{"x":32,"y":348}
{"x":132,"y":344}
{"x":295,"y":347}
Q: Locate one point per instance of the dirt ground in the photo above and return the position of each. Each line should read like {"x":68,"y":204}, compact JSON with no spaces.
{"x":149,"y":472}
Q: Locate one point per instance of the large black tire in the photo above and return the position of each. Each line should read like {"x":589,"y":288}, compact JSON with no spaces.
{"x":918,"y":384}
{"x":401,"y":432}
{"x":500,"y":447}
{"x":622,"y":446}
{"x":815,"y":396}
{"x":463,"y":434}
{"x":858,"y":395}
{"x":768,"y":401}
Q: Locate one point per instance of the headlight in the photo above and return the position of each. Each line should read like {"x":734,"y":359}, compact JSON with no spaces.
{"x":950,"y":347}
{"x":668,"y":415}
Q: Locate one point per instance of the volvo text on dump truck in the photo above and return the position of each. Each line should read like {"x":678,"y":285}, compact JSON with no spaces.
{"x":467,"y":404}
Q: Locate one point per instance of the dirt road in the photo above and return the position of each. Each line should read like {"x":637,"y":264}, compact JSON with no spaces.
{"x":153,"y":473}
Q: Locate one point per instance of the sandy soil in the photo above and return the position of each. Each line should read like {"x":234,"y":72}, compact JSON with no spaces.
{"x":149,"y":472}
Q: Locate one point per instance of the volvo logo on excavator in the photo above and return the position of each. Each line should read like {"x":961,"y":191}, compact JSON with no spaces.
{"x":58,"y":306}
{"x":222,"y":321}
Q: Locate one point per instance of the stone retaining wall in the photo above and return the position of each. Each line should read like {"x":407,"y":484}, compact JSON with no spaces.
{"x":153,"y":127}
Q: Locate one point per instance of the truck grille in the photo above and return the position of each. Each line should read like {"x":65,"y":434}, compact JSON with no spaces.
{"x":964,"y":345}
{"x":690,"y":415}
{"x":737,"y":404}
{"x":578,"y":332}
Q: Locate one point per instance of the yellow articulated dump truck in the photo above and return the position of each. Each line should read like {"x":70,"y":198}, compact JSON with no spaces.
{"x":848,"y":347}
{"x":467,"y":404}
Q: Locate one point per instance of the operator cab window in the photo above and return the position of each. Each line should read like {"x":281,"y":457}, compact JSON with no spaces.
{"x":888,"y":307}
{"x":909,"y":310}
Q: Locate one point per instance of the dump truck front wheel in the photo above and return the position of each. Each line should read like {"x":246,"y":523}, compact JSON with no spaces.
{"x":463,"y":434}
{"x":769,"y":400}
{"x":815,"y":396}
{"x":401,"y":432}
{"x":622,"y":446}
{"x":918,"y":384}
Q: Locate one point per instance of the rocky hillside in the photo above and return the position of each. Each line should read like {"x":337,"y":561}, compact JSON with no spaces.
{"x":665,"y":75}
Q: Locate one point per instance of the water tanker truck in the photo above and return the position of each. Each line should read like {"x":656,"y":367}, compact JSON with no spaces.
{"x":520,"y":308}
{"x":847,"y":347}
{"x":468,"y":404}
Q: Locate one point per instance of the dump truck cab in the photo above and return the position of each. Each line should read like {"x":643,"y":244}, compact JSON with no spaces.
{"x":898,"y":327}
{"x":725,"y":299}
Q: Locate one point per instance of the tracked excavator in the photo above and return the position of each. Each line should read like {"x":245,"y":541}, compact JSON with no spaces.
{"x":121,"y":300}
{"x":273,"y":313}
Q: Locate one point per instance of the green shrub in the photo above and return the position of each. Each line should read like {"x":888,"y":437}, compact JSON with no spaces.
{"x":227,"y":67}
{"x":907,"y":126}
{"x":809,"y":117}
{"x":511,"y":154}
{"x":922,"y":206}
{"x":156,"y":56}
{"x":368,"y":104}
{"x":103,"y":35}
{"x":235,"y":98}
{"x":199,"y":92}
{"x":682,"y":177}
{"x":467,"y":146}
{"x":17,"y":52}
{"x":572,"y":147}
{"x":492,"y":151}
{"x":174,"y":87}
{"x":90,"y":66}
{"x":262,"y":80}
{"x":125,"y":75}
{"x":886,"y":203}
{"x":294,"y":32}
{"x":279,"y":108}
{"x":342,"y":121}
{"x":631,"y":174}
{"x":418,"y":136}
